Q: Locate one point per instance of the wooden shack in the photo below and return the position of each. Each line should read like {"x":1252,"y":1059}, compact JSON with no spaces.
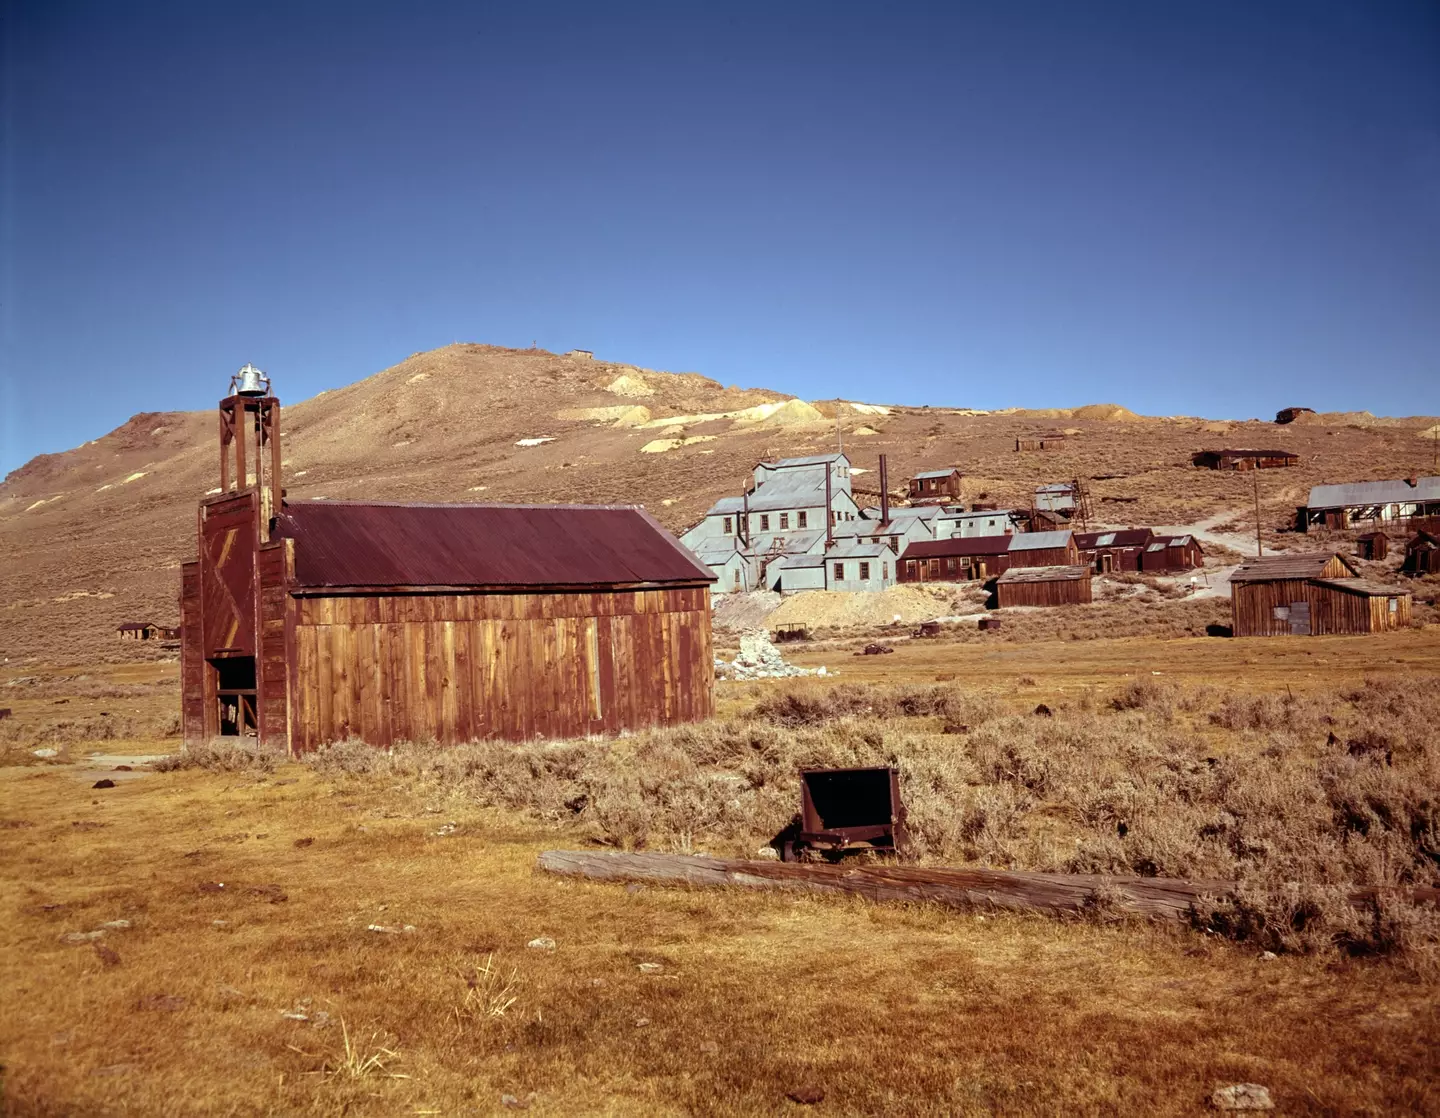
{"x":1372,"y":545}
{"x":1050,"y":440}
{"x":957,"y":559}
{"x":1245,"y":459}
{"x":935,"y":485}
{"x":306,"y":622}
{"x":1043,"y":586}
{"x":1115,"y":550}
{"x":139,"y":631}
{"x":1314,"y":594}
{"x":1044,"y":549}
{"x":1167,"y":554}
{"x":1422,"y":554}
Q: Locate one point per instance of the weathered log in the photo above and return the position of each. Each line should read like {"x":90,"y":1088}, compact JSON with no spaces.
{"x":1155,"y":897}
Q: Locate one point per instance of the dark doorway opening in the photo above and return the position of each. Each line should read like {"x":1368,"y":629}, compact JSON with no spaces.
{"x":235,"y":695}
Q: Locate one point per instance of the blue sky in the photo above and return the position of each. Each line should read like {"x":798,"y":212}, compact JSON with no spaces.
{"x":1214,"y":207}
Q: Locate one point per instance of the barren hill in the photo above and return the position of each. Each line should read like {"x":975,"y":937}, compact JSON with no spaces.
{"x":95,"y":535}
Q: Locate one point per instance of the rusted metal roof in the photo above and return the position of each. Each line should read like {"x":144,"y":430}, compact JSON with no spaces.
{"x":352,"y":544}
{"x":1277,"y":567}
{"x":1363,"y":586}
{"x":1118,"y":537}
{"x":937,"y":473}
{"x":956,"y":546}
{"x":1045,"y":574}
{"x":1252,"y":453}
{"x":1425,"y":490}
{"x":1039,"y":541}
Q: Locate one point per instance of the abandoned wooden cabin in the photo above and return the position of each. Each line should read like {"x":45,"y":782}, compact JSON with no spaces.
{"x":1168,"y":554}
{"x":1245,"y":459}
{"x":306,"y":622}
{"x":1043,"y":586}
{"x":1314,"y":594}
{"x":1422,"y":554}
{"x":1372,"y":545}
{"x":1116,"y":550}
{"x":957,"y":559}
{"x":1050,"y":440}
{"x":1373,"y":505}
{"x":1044,"y":549}
{"x":935,"y":485}
{"x":139,"y":631}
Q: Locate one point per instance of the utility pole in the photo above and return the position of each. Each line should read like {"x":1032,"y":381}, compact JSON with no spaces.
{"x":1259,"y":547}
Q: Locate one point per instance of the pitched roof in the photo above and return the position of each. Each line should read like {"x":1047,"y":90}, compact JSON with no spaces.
{"x":1253,"y":453}
{"x":1118,"y":537}
{"x":843,"y":553}
{"x":791,"y":543}
{"x":1274,"y":568}
{"x":352,"y":544}
{"x":957,"y":546}
{"x":1037,"y":541}
{"x":1363,"y":586}
{"x":937,"y":473}
{"x":995,"y":513}
{"x":128,"y":625}
{"x":1374,"y":493}
{"x":1045,"y":574}
{"x":812,"y":460}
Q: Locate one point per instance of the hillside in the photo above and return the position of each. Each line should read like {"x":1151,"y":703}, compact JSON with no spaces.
{"x":95,"y":535}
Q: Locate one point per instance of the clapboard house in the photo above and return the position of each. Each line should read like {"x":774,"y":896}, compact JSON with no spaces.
{"x":1169,"y":554}
{"x":306,"y":622}
{"x":935,"y":485}
{"x":1119,"y":549}
{"x":956,"y":559}
{"x":1422,"y":554}
{"x":1316,"y":594}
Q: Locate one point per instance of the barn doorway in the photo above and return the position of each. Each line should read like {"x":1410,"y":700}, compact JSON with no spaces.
{"x":235,"y":696}
{"x":1299,"y":619}
{"x":1107,"y":563}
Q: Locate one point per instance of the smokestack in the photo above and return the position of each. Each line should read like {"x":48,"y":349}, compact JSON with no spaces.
{"x":745,"y":522}
{"x":884,"y":492}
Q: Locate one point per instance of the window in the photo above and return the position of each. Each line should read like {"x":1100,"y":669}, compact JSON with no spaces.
{"x":765,"y":523}
{"x":839,"y":572}
{"x":1394,"y":605}
{"x":934,"y":568}
{"x":737,"y":578}
{"x":834,"y":517}
{"x":864,"y":571}
{"x":800,"y":519}
{"x":950,"y":566}
{"x":784,"y":521}
{"x":884,"y":572}
{"x":910,"y":566}
{"x":729,"y":528}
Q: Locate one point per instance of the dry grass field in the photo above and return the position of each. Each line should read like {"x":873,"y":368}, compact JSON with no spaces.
{"x":249,"y":979}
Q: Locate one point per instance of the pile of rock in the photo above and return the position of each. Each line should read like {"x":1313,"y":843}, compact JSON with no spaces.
{"x":759,"y":659}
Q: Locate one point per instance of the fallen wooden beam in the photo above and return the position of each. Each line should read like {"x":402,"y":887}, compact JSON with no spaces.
{"x":1154,"y":897}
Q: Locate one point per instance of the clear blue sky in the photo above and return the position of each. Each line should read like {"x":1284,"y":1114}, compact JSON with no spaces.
{"x":1214,"y":207}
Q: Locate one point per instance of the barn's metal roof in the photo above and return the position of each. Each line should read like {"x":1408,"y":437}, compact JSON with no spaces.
{"x":995,"y":513}
{"x":956,"y":546}
{"x":936,"y":473}
{"x":353,"y":544}
{"x":1038,"y":541}
{"x":1117,"y":537}
{"x":1279,"y":567}
{"x":1374,"y":493}
{"x":1044,"y":574}
{"x":812,"y":460}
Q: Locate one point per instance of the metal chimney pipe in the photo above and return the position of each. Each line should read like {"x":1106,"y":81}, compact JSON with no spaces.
{"x":829,"y":513}
{"x":884,"y":492}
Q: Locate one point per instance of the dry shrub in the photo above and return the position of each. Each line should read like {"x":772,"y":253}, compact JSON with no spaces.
{"x":1300,"y":801}
{"x":222,"y":755}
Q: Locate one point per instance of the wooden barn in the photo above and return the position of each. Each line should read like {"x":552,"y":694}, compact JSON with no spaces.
{"x":957,"y":559}
{"x":1044,"y":549}
{"x":1043,"y":586}
{"x":934,"y":485}
{"x":1372,"y":545}
{"x":1316,"y":594}
{"x":1116,"y":550}
{"x":1245,"y":459}
{"x":1167,"y":554}
{"x":306,"y":622}
{"x":1050,"y":440}
{"x":1422,"y":554}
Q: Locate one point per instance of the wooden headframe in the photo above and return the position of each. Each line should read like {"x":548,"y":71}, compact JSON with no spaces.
{"x":253,"y":420}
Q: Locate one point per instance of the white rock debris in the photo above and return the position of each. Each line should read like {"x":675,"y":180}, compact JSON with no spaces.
{"x":759,"y":659}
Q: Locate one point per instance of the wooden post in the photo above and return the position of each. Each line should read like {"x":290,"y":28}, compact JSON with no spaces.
{"x":1259,"y":546}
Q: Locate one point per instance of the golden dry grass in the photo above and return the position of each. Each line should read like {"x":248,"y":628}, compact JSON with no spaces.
{"x":888,"y":1010}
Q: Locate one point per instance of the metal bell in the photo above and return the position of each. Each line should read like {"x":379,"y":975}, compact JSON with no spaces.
{"x":250,"y":381}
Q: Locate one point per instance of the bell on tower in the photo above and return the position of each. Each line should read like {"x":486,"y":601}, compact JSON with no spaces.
{"x":250,"y":425}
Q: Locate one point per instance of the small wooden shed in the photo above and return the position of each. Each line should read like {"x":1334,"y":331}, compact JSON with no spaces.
{"x":1422,"y":554}
{"x":1372,"y":545}
{"x":1116,"y":550}
{"x":139,"y":631}
{"x":1245,"y":459}
{"x":1315,"y":594}
{"x":1166,"y":554}
{"x":935,"y":484}
{"x":1043,"y":586}
{"x":1044,"y":549}
{"x":1050,"y":440}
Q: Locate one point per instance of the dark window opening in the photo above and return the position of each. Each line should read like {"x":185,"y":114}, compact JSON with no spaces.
{"x":235,"y":696}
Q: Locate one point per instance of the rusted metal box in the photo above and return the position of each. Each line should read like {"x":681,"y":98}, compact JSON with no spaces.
{"x":843,"y":810}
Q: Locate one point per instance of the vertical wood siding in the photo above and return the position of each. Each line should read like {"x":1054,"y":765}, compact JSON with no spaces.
{"x":455,"y":667}
{"x":1059,"y":592}
{"x":192,"y":656}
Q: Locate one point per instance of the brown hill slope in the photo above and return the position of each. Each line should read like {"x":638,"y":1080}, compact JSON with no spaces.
{"x":95,"y":535}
